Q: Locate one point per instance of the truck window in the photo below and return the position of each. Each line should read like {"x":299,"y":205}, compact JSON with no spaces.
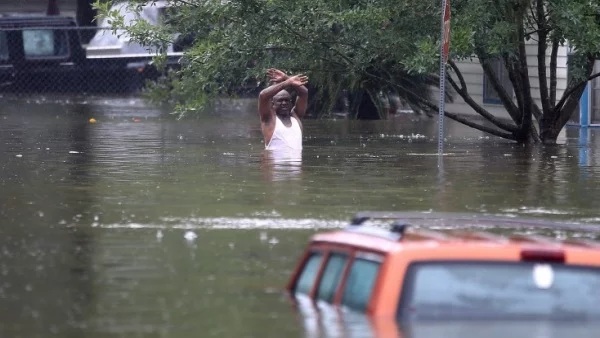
{"x":45,"y":43}
{"x":331,"y":276}
{"x":309,"y":273}
{"x":3,"y":46}
{"x":511,"y":290}
{"x":359,"y":284}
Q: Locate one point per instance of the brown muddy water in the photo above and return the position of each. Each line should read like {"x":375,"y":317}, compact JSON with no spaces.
{"x":142,"y":225}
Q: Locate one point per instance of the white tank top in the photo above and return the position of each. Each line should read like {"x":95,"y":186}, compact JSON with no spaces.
{"x":286,"y":137}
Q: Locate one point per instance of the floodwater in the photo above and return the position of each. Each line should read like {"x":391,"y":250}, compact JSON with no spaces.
{"x":142,"y":225}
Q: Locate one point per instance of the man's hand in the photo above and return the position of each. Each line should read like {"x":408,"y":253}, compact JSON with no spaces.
{"x":276,"y":75}
{"x":298,"y":80}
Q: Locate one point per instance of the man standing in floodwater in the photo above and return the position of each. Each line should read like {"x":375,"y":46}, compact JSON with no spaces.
{"x":280,"y":122}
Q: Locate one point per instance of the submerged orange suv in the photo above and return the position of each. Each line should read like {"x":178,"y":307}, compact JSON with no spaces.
{"x":406,"y":273}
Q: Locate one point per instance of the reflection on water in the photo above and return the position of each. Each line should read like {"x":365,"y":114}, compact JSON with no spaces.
{"x":501,"y":329}
{"x":95,"y":215}
{"x":321,"y":320}
{"x":282,"y":164}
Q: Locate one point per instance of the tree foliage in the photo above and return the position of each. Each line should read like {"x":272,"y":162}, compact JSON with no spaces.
{"x":363,"y":46}
{"x":510,"y":30}
{"x":370,"y":47}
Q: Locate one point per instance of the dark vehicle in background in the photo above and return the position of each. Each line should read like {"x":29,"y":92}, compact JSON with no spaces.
{"x":44,"y":53}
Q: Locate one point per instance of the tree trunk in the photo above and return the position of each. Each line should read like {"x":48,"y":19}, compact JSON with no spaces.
{"x":367,"y":110}
{"x":363,"y":106}
{"x":85,"y":18}
{"x":553,"y":121}
{"x":321,"y":100}
{"x":549,"y":131}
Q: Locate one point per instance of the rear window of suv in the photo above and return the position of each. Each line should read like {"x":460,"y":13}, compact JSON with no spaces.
{"x":499,"y":290}
{"x":45,"y":43}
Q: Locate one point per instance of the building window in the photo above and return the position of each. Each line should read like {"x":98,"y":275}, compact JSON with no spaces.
{"x":489,"y":93}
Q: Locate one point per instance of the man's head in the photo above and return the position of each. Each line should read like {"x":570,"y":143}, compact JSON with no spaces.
{"x":282,"y":103}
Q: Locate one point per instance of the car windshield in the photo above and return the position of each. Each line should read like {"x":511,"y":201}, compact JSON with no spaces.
{"x":520,"y":290}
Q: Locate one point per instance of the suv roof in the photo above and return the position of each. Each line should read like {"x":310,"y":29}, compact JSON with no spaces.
{"x":402,"y":236}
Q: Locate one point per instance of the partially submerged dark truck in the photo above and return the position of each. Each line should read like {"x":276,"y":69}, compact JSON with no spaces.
{"x":44,"y":53}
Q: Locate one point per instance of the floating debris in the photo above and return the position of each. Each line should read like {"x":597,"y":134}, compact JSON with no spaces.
{"x":263,"y":236}
{"x":190,"y":235}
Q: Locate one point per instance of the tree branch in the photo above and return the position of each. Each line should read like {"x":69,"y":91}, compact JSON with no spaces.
{"x":463,"y":120}
{"x":568,"y":93}
{"x":461,"y":79}
{"x":537,"y":113}
{"x":513,"y":68}
{"x":572,"y":100}
{"x":541,"y":55}
{"x":553,"y":81}
{"x":534,"y":133}
{"x":462,"y":91}
{"x":532,"y":19}
{"x":470,"y":123}
{"x":523,"y":71}
{"x":510,"y":106}
{"x":187,"y":3}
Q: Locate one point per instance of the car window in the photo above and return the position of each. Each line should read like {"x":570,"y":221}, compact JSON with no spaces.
{"x":331,"y":276}
{"x":458,"y":290}
{"x":309,"y":273}
{"x":45,"y":43}
{"x":359,"y":284}
{"x":3,"y":45}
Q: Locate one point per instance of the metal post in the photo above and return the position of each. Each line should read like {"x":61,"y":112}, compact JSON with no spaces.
{"x":442,"y":82}
{"x":444,"y":48}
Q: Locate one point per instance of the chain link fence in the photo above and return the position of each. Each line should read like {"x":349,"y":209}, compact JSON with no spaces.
{"x":48,"y":56}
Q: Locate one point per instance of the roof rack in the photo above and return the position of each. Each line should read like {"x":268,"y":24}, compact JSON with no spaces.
{"x":477,"y":235}
{"x":533,"y":239}
{"x":458,"y":224}
{"x":462,"y":220}
{"x":398,"y":227}
{"x":581,"y":242}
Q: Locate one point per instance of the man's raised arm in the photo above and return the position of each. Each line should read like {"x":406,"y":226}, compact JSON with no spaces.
{"x":265,"y":96}
{"x":301,"y":101}
{"x":277,"y":76}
